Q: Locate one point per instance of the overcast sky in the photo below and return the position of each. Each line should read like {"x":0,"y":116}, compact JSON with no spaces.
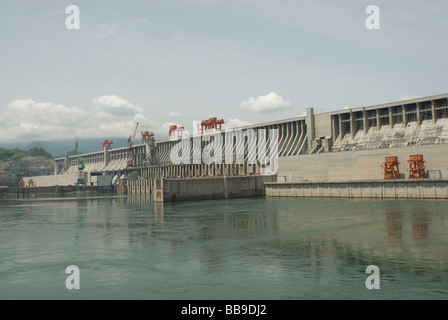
{"x":173,"y":62}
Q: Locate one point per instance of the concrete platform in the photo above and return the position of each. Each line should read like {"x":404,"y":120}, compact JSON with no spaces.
{"x":405,"y":189}
{"x":10,"y":193}
{"x":166,"y":190}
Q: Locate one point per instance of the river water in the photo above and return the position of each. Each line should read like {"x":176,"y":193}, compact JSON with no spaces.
{"x":259,"y":248}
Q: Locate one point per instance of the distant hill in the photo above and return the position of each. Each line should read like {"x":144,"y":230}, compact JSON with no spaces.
{"x":16,"y":163}
{"x":10,"y":154}
{"x":58,"y":148}
{"x":38,"y":152}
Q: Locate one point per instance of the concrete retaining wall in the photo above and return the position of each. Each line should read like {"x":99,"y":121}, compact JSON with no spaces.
{"x":68,"y":179}
{"x":358,"y":165}
{"x":210,"y":188}
{"x":419,"y":188}
{"x":53,"y":191}
{"x":138,"y":187}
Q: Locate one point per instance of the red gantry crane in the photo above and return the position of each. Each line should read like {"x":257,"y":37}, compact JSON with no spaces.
{"x":146,"y":136}
{"x":107,"y":144}
{"x":176,"y":132}
{"x":210,"y":125}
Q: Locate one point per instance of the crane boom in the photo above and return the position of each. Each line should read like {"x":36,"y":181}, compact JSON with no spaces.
{"x":130,"y":148}
{"x":131,"y":138}
{"x":135,"y":131}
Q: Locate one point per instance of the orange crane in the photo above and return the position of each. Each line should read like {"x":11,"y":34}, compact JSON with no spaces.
{"x":146,"y":136}
{"x":176,"y":132}
{"x":211,"y":124}
{"x":390,"y":167}
{"x":172,"y":128}
{"x":416,"y":167}
{"x":107,"y":144}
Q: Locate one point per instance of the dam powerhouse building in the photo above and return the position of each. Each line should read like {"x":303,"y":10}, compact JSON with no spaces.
{"x":345,"y":145}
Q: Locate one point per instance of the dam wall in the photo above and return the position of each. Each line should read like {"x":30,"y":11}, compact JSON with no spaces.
{"x":414,"y":122}
{"x":348,"y":144}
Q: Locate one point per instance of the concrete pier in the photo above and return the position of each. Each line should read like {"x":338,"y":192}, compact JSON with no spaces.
{"x":398,"y":189}
{"x":166,"y":190}
{"x":139,"y":187}
{"x":18,"y":193}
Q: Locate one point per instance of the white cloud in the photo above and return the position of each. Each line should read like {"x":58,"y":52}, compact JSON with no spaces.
{"x":111,"y":116}
{"x":175,"y":114}
{"x":264,"y":104}
{"x":235,"y":123}
{"x":116,"y":105}
{"x":25,"y":119}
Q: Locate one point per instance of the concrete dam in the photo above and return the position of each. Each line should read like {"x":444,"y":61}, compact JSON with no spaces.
{"x":340,"y":146}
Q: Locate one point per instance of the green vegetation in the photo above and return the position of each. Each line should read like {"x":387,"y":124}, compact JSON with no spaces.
{"x":15,"y":154}
{"x":11,"y":154}
{"x":15,"y":161}
{"x":38,"y":152}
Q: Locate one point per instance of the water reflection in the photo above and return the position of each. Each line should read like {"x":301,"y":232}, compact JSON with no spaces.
{"x":331,"y":236}
{"x":417,"y":216}
{"x":421,"y":218}
{"x":211,"y":258}
{"x":394,"y":223}
{"x":285,"y":241}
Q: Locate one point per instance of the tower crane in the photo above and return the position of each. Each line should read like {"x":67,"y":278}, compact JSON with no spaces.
{"x":149,"y":140}
{"x":129,"y":149}
{"x":131,"y":138}
{"x":81,"y":166}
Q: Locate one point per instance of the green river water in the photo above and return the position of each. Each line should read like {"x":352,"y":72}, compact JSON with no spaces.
{"x":259,"y":248}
